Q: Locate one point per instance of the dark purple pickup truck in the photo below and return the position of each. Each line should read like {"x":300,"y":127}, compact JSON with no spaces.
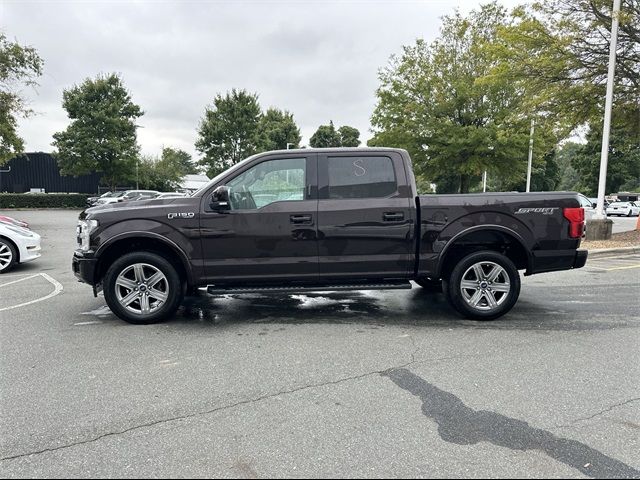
{"x":325,"y":219}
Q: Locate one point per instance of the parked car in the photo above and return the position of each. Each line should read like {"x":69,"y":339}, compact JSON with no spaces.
{"x":13,"y":221}
{"x":17,"y":245}
{"x":91,"y":201}
{"x":171,"y":195}
{"x":623,"y":209}
{"x":128,"y":195}
{"x":339,"y":219}
{"x":594,"y":202}
{"x":588,"y":205}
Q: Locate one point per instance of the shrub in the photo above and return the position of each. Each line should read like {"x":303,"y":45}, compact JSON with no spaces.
{"x":43,"y":200}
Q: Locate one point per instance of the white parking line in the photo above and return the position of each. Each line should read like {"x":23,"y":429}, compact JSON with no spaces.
{"x":19,"y":280}
{"x":56,"y":291}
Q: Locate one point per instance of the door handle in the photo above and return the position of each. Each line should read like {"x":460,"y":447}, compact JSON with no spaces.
{"x":301,"y":219}
{"x":392,"y":216}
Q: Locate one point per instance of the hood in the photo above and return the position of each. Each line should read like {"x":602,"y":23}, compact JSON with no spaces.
{"x":136,"y":208}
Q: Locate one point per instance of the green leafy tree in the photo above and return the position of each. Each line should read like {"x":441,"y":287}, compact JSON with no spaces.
{"x":162,"y":174}
{"x":19,"y":66}
{"x":276,"y":129}
{"x":624,"y":154}
{"x":569,"y":176}
{"x":228,"y":131}
{"x":102,"y":134}
{"x":180,"y":157}
{"x":325,"y":137}
{"x":349,"y":136}
{"x":433,"y":102}
{"x":558,"y":51}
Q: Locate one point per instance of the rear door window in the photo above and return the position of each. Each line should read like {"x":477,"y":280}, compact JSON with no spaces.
{"x":361,"y":177}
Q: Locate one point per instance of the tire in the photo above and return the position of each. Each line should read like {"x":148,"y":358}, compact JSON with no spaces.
{"x":429,"y":285}
{"x":131,"y":295}
{"x":478,"y":298}
{"x":8,"y":256}
{"x":629,"y":214}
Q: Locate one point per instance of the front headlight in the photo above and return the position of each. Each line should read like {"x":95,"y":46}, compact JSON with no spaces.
{"x":84,"y":229}
{"x":23,"y":232}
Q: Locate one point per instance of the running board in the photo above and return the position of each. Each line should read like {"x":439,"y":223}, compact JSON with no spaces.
{"x":399,"y":285}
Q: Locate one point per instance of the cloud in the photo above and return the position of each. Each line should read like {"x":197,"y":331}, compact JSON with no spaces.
{"x":317,"y":59}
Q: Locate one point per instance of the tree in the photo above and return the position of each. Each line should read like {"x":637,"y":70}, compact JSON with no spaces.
{"x":102,"y":134}
{"x":19,"y":66}
{"x":349,"y":136}
{"x":162,"y":174}
{"x":559,"y":49}
{"x":181,"y":158}
{"x":325,"y":137}
{"x":569,"y":176}
{"x":623,"y":166}
{"x":434,"y":102}
{"x":276,"y":129}
{"x":228,"y":131}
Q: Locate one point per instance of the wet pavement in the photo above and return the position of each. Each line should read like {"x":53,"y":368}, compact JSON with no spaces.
{"x":364,"y":384}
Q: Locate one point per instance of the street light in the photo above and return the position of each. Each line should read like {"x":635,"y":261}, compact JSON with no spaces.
{"x":604,"y":153}
{"x":530,"y":156}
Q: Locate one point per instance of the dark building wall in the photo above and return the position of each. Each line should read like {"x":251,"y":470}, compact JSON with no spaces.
{"x":40,"y":170}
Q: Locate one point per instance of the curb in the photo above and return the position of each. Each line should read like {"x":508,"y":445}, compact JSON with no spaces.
{"x":605,"y":252}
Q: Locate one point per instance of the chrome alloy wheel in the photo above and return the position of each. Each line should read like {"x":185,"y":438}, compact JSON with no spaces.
{"x":141,"y":288}
{"x":485,"y":286}
{"x":5,"y":256}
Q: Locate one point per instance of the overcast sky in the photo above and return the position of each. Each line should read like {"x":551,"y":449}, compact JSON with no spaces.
{"x":317,"y":59}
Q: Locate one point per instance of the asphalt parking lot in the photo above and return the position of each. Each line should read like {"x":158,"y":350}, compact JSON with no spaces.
{"x":361,"y":384}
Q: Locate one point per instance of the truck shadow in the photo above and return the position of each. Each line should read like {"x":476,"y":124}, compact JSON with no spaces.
{"x":381,"y":308}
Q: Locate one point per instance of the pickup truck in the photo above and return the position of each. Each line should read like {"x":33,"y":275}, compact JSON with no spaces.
{"x":324,"y":220}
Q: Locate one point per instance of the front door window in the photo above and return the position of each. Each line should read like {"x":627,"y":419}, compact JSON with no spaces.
{"x":268,"y":182}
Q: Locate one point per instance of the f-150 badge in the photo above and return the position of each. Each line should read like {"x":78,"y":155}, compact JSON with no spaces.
{"x":171,"y":216}
{"x":543,"y":211}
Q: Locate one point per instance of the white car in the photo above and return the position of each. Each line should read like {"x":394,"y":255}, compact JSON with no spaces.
{"x":587,"y":205}
{"x":127,"y":195}
{"x":17,"y":245}
{"x":171,"y":195}
{"x":623,"y":208}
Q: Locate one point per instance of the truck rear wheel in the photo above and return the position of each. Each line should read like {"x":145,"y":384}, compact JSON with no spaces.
{"x":483,"y":285}
{"x":142,"y":288}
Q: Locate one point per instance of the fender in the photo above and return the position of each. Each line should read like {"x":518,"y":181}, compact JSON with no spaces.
{"x":485,"y":227}
{"x":163,"y":238}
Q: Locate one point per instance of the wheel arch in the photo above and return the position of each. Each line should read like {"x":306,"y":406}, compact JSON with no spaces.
{"x":485,"y":237}
{"x":141,"y":241}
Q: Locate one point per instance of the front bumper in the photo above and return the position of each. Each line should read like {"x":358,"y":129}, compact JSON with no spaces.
{"x":84,"y":267}
{"x":29,"y":248}
{"x":556,"y":260}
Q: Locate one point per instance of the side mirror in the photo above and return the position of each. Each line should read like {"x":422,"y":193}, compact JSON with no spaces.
{"x":220,"y":199}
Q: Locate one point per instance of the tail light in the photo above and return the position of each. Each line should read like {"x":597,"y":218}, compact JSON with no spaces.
{"x":576,"y":221}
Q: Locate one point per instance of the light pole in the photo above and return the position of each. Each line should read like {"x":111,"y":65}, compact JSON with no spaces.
{"x":484,"y":182}
{"x":530,"y":156}
{"x":604,"y":153}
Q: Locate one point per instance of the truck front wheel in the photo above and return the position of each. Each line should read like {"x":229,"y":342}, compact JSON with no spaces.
{"x":483,"y":285}
{"x":142,"y":288}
